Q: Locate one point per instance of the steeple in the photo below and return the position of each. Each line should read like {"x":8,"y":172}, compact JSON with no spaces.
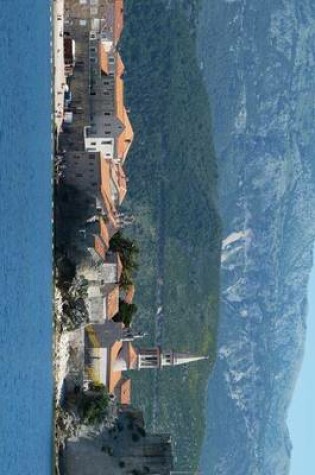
{"x":157,"y":358}
{"x":171,"y":358}
{"x":130,"y":357}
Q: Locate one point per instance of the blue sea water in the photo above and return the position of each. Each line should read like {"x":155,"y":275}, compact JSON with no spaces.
{"x":26,"y":392}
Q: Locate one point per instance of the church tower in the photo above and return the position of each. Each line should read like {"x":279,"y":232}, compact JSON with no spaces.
{"x":130,"y":357}
{"x":157,"y":358}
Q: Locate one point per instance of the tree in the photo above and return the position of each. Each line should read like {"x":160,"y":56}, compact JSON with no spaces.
{"x":128,"y":251}
{"x":126,"y":313}
{"x":94,"y":404}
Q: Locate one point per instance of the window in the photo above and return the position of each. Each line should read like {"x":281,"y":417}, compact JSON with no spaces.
{"x":93,"y":143}
{"x":108,"y":154}
{"x":93,"y":50}
{"x":93,"y":60}
{"x":92,"y":156}
{"x":111,"y":60}
{"x":106,"y":142}
{"x":82,"y":22}
{"x":79,"y":175}
{"x":106,"y":83}
{"x":106,"y":113}
{"x":107,"y":133}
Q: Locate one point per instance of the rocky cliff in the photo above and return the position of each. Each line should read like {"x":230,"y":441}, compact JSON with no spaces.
{"x":124,"y":449}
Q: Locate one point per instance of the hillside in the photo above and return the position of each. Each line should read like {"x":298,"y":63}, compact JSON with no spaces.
{"x":172,"y":192}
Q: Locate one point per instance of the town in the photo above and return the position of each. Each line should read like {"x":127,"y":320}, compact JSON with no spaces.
{"x":95,"y":259}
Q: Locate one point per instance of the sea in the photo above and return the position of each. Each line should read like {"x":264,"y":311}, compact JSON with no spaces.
{"x":26,"y":379}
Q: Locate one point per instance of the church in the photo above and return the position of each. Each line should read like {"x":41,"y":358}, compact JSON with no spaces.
{"x":110,"y":349}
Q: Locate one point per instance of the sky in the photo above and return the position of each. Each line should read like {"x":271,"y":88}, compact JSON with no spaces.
{"x":302,"y":411}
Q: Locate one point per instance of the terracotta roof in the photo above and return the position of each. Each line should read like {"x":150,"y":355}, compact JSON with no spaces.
{"x":104,"y":233}
{"x":118,"y":19}
{"x":112,"y":302}
{"x":107,"y":167}
{"x":122,"y":183}
{"x":99,"y":247}
{"x":125,"y":139}
{"x":130,"y":294}
{"x":119,"y":65}
{"x":105,"y":182}
{"x":114,"y":376}
{"x":119,"y":99}
{"x":128,"y":131}
{"x":132,"y":356}
{"x":103,"y":59}
{"x":125,"y":391}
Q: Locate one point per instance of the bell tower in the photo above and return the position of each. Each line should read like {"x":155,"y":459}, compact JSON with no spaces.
{"x":171,"y":358}
{"x":149,"y":358}
{"x":157,"y":358}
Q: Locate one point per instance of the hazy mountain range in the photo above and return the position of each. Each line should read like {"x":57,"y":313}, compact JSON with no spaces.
{"x":258,"y":62}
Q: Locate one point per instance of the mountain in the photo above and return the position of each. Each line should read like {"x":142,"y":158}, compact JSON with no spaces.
{"x":257,"y":60}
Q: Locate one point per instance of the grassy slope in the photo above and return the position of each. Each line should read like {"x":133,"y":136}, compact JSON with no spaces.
{"x":172,"y":157}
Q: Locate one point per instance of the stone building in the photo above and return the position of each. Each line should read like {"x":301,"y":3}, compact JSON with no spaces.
{"x":110,"y":350}
{"x":97,"y":139}
{"x":127,"y":449}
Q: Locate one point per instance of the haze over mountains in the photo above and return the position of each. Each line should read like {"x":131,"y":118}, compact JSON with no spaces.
{"x":258,"y":65}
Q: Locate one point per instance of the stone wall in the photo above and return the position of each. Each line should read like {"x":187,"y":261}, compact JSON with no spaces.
{"x":125,"y":450}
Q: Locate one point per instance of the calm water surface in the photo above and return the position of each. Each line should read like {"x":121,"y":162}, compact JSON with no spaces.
{"x":25,"y":239}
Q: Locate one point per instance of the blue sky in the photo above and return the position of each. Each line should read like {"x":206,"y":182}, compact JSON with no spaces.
{"x":302,"y":412}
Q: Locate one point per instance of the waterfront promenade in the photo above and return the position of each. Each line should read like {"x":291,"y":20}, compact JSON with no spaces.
{"x":58,"y":58}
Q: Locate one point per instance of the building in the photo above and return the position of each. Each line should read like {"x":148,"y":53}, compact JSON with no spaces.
{"x":127,"y":449}
{"x":110,"y":350}
{"x":96,"y":141}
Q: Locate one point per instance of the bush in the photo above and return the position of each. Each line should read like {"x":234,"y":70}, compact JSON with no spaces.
{"x":93,"y":407}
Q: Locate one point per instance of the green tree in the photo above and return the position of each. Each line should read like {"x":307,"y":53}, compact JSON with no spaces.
{"x":94,"y":404}
{"x":128,"y":251}
{"x":126,"y":313}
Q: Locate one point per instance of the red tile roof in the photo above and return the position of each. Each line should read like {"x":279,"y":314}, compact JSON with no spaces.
{"x":114,"y":376}
{"x":103,"y":60}
{"x":104,"y":233}
{"x":132,"y":356}
{"x":125,"y":391}
{"x":100,"y":247}
{"x":118,"y":19}
{"x":122,"y":183}
{"x":112,"y":302}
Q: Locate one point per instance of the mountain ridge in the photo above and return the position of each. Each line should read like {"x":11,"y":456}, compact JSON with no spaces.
{"x":259,"y":80}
